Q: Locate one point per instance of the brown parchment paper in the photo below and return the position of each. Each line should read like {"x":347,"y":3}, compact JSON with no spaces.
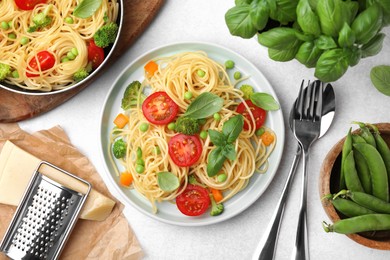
{"x":112,"y":238}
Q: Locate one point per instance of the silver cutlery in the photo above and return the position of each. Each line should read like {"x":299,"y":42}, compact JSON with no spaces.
{"x":267,"y":246}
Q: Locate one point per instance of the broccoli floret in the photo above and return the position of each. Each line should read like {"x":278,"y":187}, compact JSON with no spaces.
{"x":106,"y":35}
{"x":130,"y":97}
{"x":82,"y":73}
{"x":216,"y":208}
{"x":192,"y":180}
{"x":5,"y":70}
{"x":41,"y":20}
{"x":119,"y":148}
{"x":247,"y":90}
{"x":187,"y":125}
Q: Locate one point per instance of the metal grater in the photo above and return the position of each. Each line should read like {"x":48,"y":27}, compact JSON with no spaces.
{"x":44,"y":218}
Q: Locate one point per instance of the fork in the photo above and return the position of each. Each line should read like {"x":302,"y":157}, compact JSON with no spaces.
{"x":306,"y":128}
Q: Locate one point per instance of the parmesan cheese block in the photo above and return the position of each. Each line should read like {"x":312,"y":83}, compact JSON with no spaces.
{"x":16,"y":168}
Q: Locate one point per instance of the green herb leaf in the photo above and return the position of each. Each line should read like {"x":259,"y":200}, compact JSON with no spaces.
{"x":307,"y":18}
{"x":232,"y":128}
{"x":380,"y":77}
{"x":331,"y":65}
{"x":367,"y":24}
{"x":167,"y":181}
{"x":346,"y":36}
{"x":325,"y":42}
{"x":308,"y":54}
{"x":265,"y":101}
{"x":239,"y":22}
{"x":204,"y":105}
{"x":280,"y":38}
{"x":353,"y":55}
{"x":229,"y":152}
{"x":87,"y":8}
{"x":283,"y":10}
{"x":332,"y":16}
{"x":259,"y":15}
{"x":217,"y":138}
{"x":374,"y":46}
{"x":215,"y":161}
{"x":282,"y":55}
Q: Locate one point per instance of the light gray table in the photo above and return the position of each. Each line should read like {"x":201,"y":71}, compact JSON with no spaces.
{"x":203,"y":20}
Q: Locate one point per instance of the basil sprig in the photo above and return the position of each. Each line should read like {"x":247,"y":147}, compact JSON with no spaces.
{"x":167,"y":181}
{"x":204,"y":105}
{"x":264,"y":101}
{"x":223,"y":141}
{"x":87,"y":8}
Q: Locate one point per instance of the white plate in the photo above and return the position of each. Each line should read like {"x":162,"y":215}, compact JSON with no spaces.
{"x":167,"y":212}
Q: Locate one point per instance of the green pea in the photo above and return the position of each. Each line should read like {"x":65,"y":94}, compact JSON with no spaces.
{"x":229,"y":64}
{"x":4,"y":25}
{"x":222,"y":177}
{"x":157,"y":150}
{"x":201,"y":73}
{"x":10,"y":24}
{"x":171,"y":126}
{"x":350,"y":208}
{"x":203,"y":134}
{"x":144,"y":127}
{"x":188,"y":95}
{"x":24,"y":40}
{"x":140,"y":162}
{"x":139,"y":168}
{"x":74,"y":51}
{"x":260,"y":131}
{"x":69,"y":20}
{"x":237,"y":75}
{"x":217,"y":116}
{"x":70,"y":55}
{"x":12,"y":36}
{"x":15,"y":74}
{"x":139,"y":153}
{"x":65,"y":59}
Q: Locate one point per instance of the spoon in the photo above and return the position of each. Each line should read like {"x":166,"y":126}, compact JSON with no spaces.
{"x":266,"y":248}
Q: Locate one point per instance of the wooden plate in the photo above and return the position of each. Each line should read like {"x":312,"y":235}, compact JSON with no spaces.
{"x":15,"y":107}
{"x":329,"y":183}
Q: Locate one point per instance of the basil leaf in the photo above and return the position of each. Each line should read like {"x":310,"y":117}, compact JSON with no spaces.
{"x":167,"y":181}
{"x":232,"y":128}
{"x":350,"y":8}
{"x":307,"y":19}
{"x":331,"y":65}
{"x":215,"y":161}
{"x":346,"y":36}
{"x":380,"y":78}
{"x":242,"y":2}
{"x":354,"y":55}
{"x":217,"y":138}
{"x":367,"y":24}
{"x":280,"y":38}
{"x":239,"y":22}
{"x":374,"y":46}
{"x":385,"y":4}
{"x":285,"y":11}
{"x":325,"y":42}
{"x":282,"y":55}
{"x":86,"y":8}
{"x":265,"y":101}
{"x":308,"y":54}
{"x":331,"y":15}
{"x":229,"y":152}
{"x":204,"y":105}
{"x":259,"y":15}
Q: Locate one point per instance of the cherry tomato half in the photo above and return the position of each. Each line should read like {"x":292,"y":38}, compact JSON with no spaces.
{"x":258,"y":113}
{"x":159,"y":108}
{"x":43,"y":61}
{"x":95,"y":54}
{"x":184,"y":150}
{"x":193,"y":201}
{"x":28,"y":4}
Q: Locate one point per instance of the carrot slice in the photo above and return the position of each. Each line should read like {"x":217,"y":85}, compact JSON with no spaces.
{"x":267,"y":138}
{"x":126,"y":179}
{"x":217,"y":194}
{"x":121,"y":120}
{"x":151,"y":67}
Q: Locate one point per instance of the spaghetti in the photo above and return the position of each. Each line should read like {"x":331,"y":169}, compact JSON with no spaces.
{"x":59,"y":38}
{"x":177,"y":75}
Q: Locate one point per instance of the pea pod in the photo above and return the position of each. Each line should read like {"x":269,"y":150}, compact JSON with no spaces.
{"x":370,"y":222}
{"x":363,"y":171}
{"x":357,"y":139}
{"x":366,"y":133}
{"x":352,"y":180}
{"x":378,"y":173}
{"x":347,"y":148}
{"x":369,"y":201}
{"x":383,"y":149}
{"x":350,"y":208}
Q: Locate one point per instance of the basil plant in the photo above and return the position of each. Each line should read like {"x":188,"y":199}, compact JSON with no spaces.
{"x":328,"y":35}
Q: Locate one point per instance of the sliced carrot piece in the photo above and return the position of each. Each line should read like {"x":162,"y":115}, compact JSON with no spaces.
{"x":121,"y":120}
{"x":151,"y":67}
{"x":217,"y":194}
{"x":267,"y":138}
{"x":126,"y":179}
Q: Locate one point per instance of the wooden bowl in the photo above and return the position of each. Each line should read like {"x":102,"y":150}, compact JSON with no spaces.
{"x":329,"y":183}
